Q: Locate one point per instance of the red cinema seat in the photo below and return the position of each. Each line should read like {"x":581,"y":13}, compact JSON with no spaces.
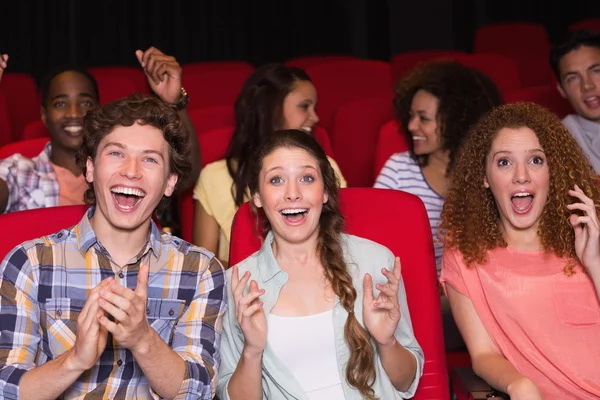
{"x":404,"y":229}
{"x":525,"y":42}
{"x":356,"y":125}
{"x":591,"y":24}
{"x":389,"y":141}
{"x":20,"y":94}
{"x":27,"y":148}
{"x":214,"y":83}
{"x":310,"y":61}
{"x":32,"y":224}
{"x":209,"y":118}
{"x":35,"y":129}
{"x":342,"y":81}
{"x":545,"y":96}
{"x":500,"y":69}
{"x":403,"y":63}
{"x":114,"y":87}
{"x":134,"y":74}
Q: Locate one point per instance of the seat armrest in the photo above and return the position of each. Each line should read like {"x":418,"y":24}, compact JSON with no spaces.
{"x":468,"y":386}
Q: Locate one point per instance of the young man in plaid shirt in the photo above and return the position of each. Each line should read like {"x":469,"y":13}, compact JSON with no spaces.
{"x":112,"y":308}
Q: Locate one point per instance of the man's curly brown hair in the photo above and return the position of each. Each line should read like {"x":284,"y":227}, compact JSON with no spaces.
{"x":143,"y":110}
{"x":464,"y":95}
{"x":470,"y":218}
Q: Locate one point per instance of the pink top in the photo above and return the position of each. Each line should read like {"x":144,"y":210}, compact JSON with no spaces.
{"x":71,"y":187}
{"x":545,"y":323}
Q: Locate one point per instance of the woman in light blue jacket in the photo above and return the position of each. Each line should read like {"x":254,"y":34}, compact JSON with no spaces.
{"x":304,"y":320}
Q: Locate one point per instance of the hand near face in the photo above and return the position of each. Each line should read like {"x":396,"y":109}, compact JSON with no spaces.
{"x":382,"y":315}
{"x":91,"y":337}
{"x":587,"y":231}
{"x":128,"y":307}
{"x":163,"y":73}
{"x":3,"y":64}
{"x":249,"y":312}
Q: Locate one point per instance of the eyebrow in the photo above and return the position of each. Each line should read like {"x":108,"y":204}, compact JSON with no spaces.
{"x":122,"y":146}
{"x":302,"y":167}
{"x":65,"y":96}
{"x":510,"y":152}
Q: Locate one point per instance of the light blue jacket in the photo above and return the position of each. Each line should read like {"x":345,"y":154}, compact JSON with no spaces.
{"x":361,"y":256}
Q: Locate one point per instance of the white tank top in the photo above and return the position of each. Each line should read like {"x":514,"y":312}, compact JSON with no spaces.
{"x":306,"y":346}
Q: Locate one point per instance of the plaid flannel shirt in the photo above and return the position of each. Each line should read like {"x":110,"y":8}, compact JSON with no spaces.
{"x":44,"y":284}
{"x":31,"y":182}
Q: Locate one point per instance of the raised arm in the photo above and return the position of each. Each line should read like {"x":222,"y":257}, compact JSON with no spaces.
{"x":488,"y":362}
{"x":164,"y":77}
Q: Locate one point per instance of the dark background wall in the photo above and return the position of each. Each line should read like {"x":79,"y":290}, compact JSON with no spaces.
{"x":39,"y":35}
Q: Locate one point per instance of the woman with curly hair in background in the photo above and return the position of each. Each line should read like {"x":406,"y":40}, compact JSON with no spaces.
{"x":436,"y":104}
{"x":521,"y":264}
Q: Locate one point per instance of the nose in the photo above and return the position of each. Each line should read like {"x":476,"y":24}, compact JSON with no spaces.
{"x":412,"y":123}
{"x":292,"y":191}
{"x":521,"y":173}
{"x":74,"y":110}
{"x":131,"y":168}
{"x":588,"y":83}
{"x":314,"y":117}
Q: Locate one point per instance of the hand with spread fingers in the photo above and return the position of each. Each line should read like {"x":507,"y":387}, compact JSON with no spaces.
{"x":3,"y":64}
{"x":249,"y":312}
{"x":587,"y":231}
{"x":128,"y":307}
{"x":382,"y":315}
{"x":163,"y":73}
{"x":91,"y":337}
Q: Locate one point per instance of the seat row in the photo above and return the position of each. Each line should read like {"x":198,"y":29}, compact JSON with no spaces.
{"x":514,"y":55}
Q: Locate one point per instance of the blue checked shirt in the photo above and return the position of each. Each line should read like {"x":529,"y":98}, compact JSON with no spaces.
{"x":44,"y":284}
{"x":31,"y":182}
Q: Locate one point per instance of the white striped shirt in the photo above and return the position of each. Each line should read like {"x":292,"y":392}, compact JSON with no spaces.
{"x":401,"y":172}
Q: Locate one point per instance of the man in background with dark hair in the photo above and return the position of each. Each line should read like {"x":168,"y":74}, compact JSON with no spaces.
{"x":576,"y":64}
{"x":68,"y":93}
{"x":112,"y":307}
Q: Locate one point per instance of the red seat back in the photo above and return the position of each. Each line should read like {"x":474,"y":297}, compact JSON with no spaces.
{"x":6,"y":133}
{"x":342,"y":81}
{"x":389,"y":141}
{"x":20,"y":94}
{"x":309,"y":61}
{"x":545,"y":96}
{"x":404,"y":229}
{"x":405,"y":62}
{"x":525,"y":42}
{"x":35,"y":129}
{"x":27,"y":148}
{"x":500,"y":69}
{"x":32,"y":224}
{"x":134,"y":74}
{"x":590,"y":24}
{"x":114,"y":87}
{"x":214,"y":84}
{"x":209,"y":118}
{"x":356,"y":125}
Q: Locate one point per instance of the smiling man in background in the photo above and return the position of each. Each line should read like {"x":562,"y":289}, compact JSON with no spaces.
{"x":576,"y":64}
{"x":53,"y":178}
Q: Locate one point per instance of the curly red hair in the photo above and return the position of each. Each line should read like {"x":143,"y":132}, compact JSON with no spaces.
{"x":470,"y":218}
